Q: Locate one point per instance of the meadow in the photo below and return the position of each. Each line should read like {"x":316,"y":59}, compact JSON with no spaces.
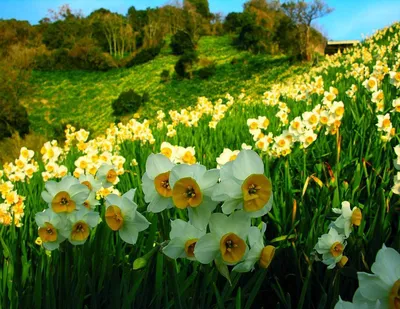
{"x":325,"y":137}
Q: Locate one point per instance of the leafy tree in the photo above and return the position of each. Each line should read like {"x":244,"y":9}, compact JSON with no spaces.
{"x":181,"y":42}
{"x":128,"y":102}
{"x":303,"y":13}
{"x":201,"y":7}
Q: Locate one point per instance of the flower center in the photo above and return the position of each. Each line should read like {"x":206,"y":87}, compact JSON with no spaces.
{"x":386,"y":123}
{"x":394,"y":296}
{"x":189,"y":247}
{"x":87,"y":184}
{"x":161,"y":183}
{"x":267,"y":254}
{"x":257,"y":190}
{"x":80,"y":231}
{"x":336,"y":249}
{"x":356,"y":217}
{"x":48,"y":233}
{"x":62,"y":203}
{"x":166,"y":152}
{"x":114,"y":218}
{"x":111,"y":176}
{"x":232,"y":248}
{"x":186,"y":193}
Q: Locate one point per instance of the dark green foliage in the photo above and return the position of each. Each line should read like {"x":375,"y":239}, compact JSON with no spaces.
{"x":287,"y":36}
{"x":207,"y":72}
{"x":145,"y":55}
{"x":181,"y":42}
{"x":184,"y":65}
{"x":164,"y":76}
{"x":128,"y":102}
{"x":253,"y":38}
{"x":235,"y":21}
{"x":13,"y":117}
{"x":201,"y":7}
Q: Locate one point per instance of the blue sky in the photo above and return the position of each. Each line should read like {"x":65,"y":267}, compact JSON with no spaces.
{"x":350,"y":20}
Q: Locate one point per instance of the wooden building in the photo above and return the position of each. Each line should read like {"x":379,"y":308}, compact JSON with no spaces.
{"x":332,"y":47}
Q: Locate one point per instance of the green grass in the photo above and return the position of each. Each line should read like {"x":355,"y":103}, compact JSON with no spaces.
{"x":100,"y":273}
{"x":86,"y":97}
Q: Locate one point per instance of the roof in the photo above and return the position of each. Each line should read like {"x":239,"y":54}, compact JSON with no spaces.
{"x":353,"y":42}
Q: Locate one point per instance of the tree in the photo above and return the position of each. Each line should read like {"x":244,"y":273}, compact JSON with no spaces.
{"x":201,"y":7}
{"x":304,"y":13}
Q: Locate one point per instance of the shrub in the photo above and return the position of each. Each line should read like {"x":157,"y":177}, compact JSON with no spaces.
{"x":128,"y":102}
{"x":207,"y":72}
{"x":254,"y":38}
{"x":181,"y":43}
{"x":145,"y":55}
{"x":13,"y":117}
{"x":184,"y":65}
{"x":164,"y":76}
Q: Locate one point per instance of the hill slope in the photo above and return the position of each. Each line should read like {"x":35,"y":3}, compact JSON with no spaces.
{"x":85,"y":97}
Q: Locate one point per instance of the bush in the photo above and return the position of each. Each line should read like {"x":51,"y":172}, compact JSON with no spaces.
{"x":128,"y":102}
{"x":184,"y":65}
{"x":181,"y":43}
{"x":145,"y":55}
{"x":13,"y":117}
{"x":207,"y":72}
{"x":164,"y":76}
{"x":254,"y":38}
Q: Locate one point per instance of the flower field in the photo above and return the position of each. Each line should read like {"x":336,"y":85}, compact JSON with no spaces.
{"x":290,"y":201}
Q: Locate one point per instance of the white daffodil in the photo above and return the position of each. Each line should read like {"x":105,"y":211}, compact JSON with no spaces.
{"x":107,"y":175}
{"x":244,"y":186}
{"x":226,"y":156}
{"x":79,"y":224}
{"x":348,"y":218}
{"x":331,"y":246}
{"x":122,"y":216}
{"x":384,"y":284}
{"x":184,"y":237}
{"x":397,"y":160}
{"x":91,"y":202}
{"x":363,"y":305}
{"x":192,"y":187}
{"x":226,"y":240}
{"x":50,"y":224}
{"x":89,"y":181}
{"x":258,"y":251}
{"x":67,"y":195}
{"x":155,"y":183}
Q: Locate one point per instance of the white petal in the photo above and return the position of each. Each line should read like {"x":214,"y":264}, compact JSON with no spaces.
{"x":254,"y":236}
{"x":209,"y":179}
{"x":230,"y":205}
{"x":199,"y":216}
{"x":47,"y":197}
{"x":387,"y":265}
{"x":372,"y":287}
{"x":159,"y":203}
{"x":140,"y":222}
{"x":129,"y":233}
{"x":240,"y":223}
{"x":175,"y":248}
{"x":148,"y":188}
{"x":247,"y":162}
{"x":157,"y":164}
{"x":227,"y":189}
{"x":195,"y":171}
{"x":130,"y":194}
{"x":52,"y":187}
{"x":177,"y":227}
{"x":207,"y":248}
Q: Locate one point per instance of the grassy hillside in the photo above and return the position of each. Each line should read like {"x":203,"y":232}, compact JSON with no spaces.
{"x":86,"y":97}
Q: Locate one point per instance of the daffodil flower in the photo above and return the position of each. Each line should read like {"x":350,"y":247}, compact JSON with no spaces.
{"x":184,"y":237}
{"x":331,"y":246}
{"x":348,"y":218}
{"x":258,"y":251}
{"x":155,"y":183}
{"x":192,"y":187}
{"x":244,"y":186}
{"x":122,"y":216}
{"x":89,"y":181}
{"x":65,"y":196}
{"x":50,"y":224}
{"x":226,"y":240}
{"x":107,"y":175}
{"x":79,"y":224}
{"x":382,"y":288}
